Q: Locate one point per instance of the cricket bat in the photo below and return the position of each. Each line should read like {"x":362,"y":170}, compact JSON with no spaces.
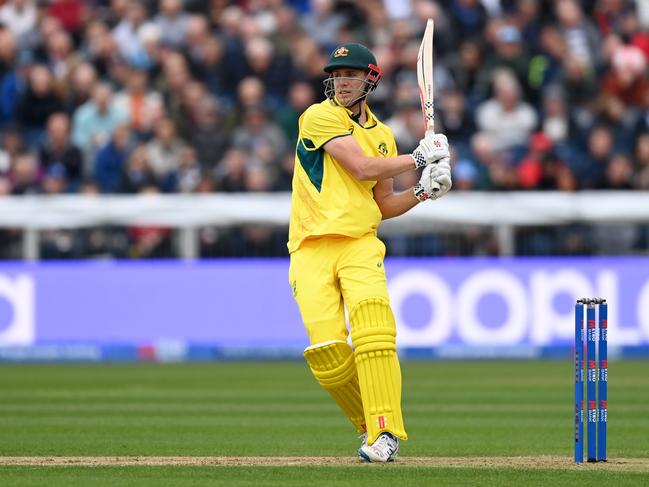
{"x":425,"y":81}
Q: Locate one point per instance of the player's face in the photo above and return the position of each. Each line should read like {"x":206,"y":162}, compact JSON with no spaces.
{"x":349,"y":84}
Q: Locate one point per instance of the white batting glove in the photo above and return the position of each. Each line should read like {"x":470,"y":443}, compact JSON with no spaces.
{"x":431,"y":149}
{"x":435,"y":181}
{"x":444,"y":183}
{"x":442,"y":168}
{"x":424,"y":188}
{"x":440,"y":174}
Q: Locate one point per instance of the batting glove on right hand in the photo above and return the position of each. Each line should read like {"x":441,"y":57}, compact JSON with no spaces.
{"x":431,"y":149}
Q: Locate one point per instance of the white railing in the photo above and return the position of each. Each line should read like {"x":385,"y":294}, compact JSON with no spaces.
{"x":501,"y":211}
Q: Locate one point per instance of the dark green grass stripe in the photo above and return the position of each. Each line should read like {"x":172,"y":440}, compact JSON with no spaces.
{"x":273,"y":408}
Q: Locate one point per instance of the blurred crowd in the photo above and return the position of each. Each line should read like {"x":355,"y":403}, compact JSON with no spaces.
{"x":192,"y":96}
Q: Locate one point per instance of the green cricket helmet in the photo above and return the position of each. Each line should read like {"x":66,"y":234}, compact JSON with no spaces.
{"x":354,"y":56}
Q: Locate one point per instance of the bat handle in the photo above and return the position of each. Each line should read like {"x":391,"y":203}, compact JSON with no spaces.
{"x":435,"y":186}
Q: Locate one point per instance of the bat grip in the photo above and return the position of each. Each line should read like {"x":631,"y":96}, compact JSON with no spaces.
{"x":434,"y":186}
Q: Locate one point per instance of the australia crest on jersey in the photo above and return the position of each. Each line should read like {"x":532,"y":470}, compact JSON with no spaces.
{"x":341,"y":52}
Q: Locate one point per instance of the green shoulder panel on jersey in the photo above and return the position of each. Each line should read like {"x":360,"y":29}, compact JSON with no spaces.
{"x":312,"y":161}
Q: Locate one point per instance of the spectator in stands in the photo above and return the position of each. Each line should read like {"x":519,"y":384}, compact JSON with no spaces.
{"x":323,"y":23}
{"x":12,"y":146}
{"x":95,"y":121}
{"x":13,"y":73}
{"x":103,"y":50}
{"x":5,"y":190}
{"x":599,"y":153}
{"x":508,"y":53}
{"x":284,"y":175}
{"x":555,"y":119}
{"x":260,"y":136}
{"x":506,"y":117}
{"x":54,"y":180}
{"x":111,"y":159}
{"x":172,"y":83}
{"x":192,"y":101}
{"x":163,"y":154}
{"x":488,"y":162}
{"x":609,"y":15}
{"x":631,"y":29}
{"x":189,"y":173}
{"x":642,"y":123}
{"x":287,"y":29}
{"x":529,"y":17}
{"x":230,"y":173}
{"x":172,"y":22}
{"x":542,"y":169}
{"x":196,"y":41}
{"x":455,"y":119}
{"x":60,"y":58}
{"x":211,"y":70}
{"x":209,"y":137}
{"x":258,"y":178}
{"x":406,"y":122}
{"x":546,"y":67}
{"x":469,"y":16}
{"x":143,"y":106}
{"x":128,"y":32}
{"x":71,"y":14}
{"x":250,"y":93}
{"x":619,"y":172}
{"x":81,"y":83}
{"x":20,"y":17}
{"x":465,"y":70}
{"x":580,"y":85}
{"x":24,"y":175}
{"x":37,"y":104}
{"x":58,"y":151}
{"x":300,"y":97}
{"x":626,"y":82}
{"x":276,"y":70}
{"x":307,"y":57}
{"x":581,"y":36}
{"x":137,"y":173}
{"x":465,"y":175}
{"x":642,"y":161}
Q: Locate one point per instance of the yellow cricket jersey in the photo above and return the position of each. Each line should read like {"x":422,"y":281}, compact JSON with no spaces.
{"x":327,"y":199}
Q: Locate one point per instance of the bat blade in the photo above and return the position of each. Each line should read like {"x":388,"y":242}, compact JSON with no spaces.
{"x":425,"y":81}
{"x":425,"y":77}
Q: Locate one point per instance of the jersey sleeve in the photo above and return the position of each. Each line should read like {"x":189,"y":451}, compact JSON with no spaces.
{"x":318,"y":126}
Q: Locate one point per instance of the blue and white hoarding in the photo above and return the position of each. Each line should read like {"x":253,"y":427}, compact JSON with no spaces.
{"x":244,"y":308}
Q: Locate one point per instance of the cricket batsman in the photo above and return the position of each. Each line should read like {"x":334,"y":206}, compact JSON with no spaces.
{"x":342,"y":189}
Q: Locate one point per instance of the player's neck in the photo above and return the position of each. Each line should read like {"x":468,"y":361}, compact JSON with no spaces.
{"x":359,"y":112}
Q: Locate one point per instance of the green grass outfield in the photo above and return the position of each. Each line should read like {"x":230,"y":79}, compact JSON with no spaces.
{"x":478,"y":412}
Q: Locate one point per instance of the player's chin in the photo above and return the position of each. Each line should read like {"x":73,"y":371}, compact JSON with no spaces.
{"x":344,"y":97}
